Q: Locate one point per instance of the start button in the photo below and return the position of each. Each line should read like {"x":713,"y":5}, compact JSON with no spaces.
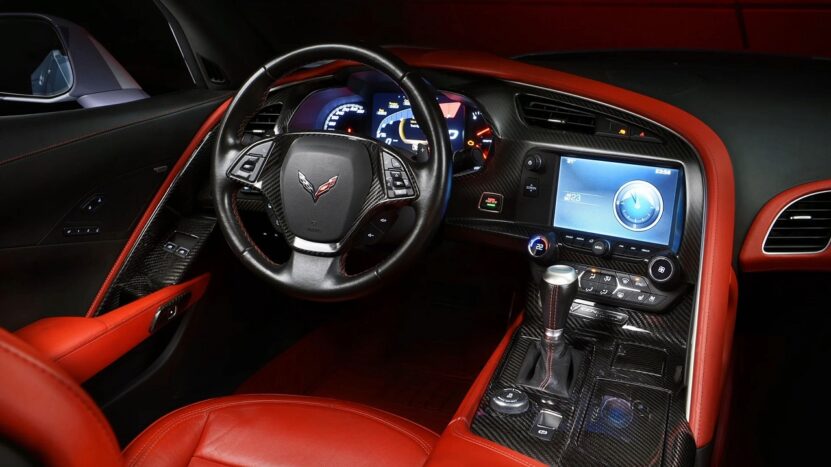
{"x":491,"y":202}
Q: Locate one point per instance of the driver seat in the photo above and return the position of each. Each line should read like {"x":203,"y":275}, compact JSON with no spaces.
{"x":46,"y":418}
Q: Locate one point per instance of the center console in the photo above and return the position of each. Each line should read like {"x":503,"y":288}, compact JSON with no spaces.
{"x":625,"y":211}
{"x":597,"y":372}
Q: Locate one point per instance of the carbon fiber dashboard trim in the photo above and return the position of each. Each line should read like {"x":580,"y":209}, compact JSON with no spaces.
{"x":599,"y":341}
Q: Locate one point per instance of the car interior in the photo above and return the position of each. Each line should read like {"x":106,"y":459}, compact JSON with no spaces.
{"x":442,"y":233}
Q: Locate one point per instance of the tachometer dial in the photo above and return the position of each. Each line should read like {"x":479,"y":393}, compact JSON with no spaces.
{"x":638,"y":205}
{"x":346,"y":118}
{"x":396,"y":125}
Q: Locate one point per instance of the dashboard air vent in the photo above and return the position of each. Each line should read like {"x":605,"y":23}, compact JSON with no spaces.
{"x":802,"y":227}
{"x":552,"y":115}
{"x":262,"y":124}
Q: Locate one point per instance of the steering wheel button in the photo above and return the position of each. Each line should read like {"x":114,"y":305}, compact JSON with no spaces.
{"x":263,"y":149}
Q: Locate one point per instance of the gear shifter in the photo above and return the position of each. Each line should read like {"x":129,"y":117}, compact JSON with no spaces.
{"x":557,"y":291}
{"x":553,"y":364}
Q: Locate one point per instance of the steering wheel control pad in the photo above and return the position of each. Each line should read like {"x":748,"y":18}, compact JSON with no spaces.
{"x":324,"y":183}
{"x":250,"y":163}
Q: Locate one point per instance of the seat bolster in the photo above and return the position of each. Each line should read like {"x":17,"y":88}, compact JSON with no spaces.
{"x":44,"y":412}
{"x":285,"y":430}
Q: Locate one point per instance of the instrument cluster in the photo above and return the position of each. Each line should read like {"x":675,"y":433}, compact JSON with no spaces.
{"x":379,"y":110}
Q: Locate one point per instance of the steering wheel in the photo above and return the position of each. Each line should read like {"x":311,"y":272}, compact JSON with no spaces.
{"x":323,"y":188}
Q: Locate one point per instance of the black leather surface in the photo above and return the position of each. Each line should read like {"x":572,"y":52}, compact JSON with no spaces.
{"x":50,"y":164}
{"x":773,"y":114}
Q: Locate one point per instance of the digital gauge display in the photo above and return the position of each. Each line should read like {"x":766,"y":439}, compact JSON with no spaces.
{"x":395,"y":125}
{"x":347,"y":118}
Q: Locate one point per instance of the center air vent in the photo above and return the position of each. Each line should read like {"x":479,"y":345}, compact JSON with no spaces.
{"x":262,"y":124}
{"x":802,"y":227}
{"x":552,"y":115}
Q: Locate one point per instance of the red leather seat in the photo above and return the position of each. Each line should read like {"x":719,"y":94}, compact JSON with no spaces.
{"x":49,"y":417}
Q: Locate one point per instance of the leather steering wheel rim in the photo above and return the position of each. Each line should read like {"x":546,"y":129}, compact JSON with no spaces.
{"x":309,"y":275}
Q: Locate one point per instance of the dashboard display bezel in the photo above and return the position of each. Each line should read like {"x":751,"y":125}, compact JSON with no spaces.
{"x":678,"y":209}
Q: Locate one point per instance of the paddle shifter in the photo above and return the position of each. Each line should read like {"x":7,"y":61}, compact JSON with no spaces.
{"x":552,"y":365}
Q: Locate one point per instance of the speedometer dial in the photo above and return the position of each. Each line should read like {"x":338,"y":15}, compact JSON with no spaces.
{"x":346,"y":118}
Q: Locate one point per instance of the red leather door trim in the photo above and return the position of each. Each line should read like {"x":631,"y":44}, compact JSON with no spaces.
{"x":753,"y":259}
{"x":206,"y":127}
{"x":85,"y":346}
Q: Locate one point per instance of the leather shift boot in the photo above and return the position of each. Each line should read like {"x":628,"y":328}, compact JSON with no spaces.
{"x":551,"y":367}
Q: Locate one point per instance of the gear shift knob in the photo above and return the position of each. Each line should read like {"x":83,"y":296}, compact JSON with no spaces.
{"x":558,"y":289}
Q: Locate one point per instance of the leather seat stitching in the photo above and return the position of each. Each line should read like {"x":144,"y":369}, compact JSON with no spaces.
{"x":177,"y":419}
{"x":69,"y":388}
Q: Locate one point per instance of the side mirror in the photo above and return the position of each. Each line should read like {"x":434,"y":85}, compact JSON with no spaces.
{"x":35,"y":59}
{"x":48,"y":59}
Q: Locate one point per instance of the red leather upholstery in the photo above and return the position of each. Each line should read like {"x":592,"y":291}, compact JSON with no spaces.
{"x":45,"y":412}
{"x":284,"y":430}
{"x":85,"y":346}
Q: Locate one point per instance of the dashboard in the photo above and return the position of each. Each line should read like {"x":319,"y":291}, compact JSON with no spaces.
{"x":558,"y":179}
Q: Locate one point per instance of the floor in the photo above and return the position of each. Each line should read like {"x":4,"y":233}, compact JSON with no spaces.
{"x":413,"y":350}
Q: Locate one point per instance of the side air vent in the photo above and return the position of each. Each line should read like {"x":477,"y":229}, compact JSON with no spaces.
{"x":804,"y":226}
{"x":545,"y":113}
{"x":262,"y":124}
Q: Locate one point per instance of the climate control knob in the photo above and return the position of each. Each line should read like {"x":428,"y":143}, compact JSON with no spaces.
{"x":664,"y":270}
{"x":543,"y":248}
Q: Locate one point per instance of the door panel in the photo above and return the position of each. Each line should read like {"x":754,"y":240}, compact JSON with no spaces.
{"x":73,"y":186}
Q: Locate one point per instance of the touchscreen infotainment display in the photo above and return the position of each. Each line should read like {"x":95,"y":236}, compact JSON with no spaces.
{"x":622,"y":200}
